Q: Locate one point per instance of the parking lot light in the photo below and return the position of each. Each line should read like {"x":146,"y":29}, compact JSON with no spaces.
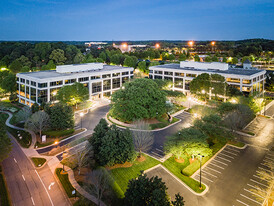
{"x":201,"y":156}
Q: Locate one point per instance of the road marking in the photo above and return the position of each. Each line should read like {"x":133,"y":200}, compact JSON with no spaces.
{"x":203,"y":177}
{"x":258,"y":183}
{"x":51,"y":184}
{"x":269,"y":158}
{"x":233,"y":149}
{"x":220,"y":162}
{"x":223,"y":158}
{"x":257,"y":188}
{"x":225,"y":155}
{"x":45,"y":188}
{"x":213,"y":169}
{"x":242,"y":202}
{"x":216,"y":165}
{"x":209,"y":173}
{"x":15,"y":160}
{"x":230,"y":153}
{"x":265,"y":169}
{"x":159,"y":150}
{"x":250,"y":199}
{"x":253,"y":193}
{"x":32,"y":200}
{"x":23,"y":178}
{"x":268,"y":161}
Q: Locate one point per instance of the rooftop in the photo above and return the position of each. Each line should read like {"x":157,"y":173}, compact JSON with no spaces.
{"x":237,"y":71}
{"x":54,"y":74}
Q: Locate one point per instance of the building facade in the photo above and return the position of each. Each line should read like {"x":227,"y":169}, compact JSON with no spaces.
{"x":101,"y":80}
{"x":247,"y":80}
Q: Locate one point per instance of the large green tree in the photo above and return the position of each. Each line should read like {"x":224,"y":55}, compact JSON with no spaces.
{"x":5,"y":143}
{"x":8,"y":84}
{"x":201,"y":82}
{"x":140,"y":99}
{"x":73,"y":94}
{"x":146,"y":191}
{"x":58,"y":56}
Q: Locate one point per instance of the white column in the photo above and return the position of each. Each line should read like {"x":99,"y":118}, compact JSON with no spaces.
{"x":241,"y":84}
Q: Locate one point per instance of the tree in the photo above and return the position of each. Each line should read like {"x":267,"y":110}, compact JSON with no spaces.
{"x":103,"y":56}
{"x":116,"y":147}
{"x":179,"y":200}
{"x":99,"y":183}
{"x":8,"y":84}
{"x":81,"y":159}
{"x":196,"y":58}
{"x":143,"y":67}
{"x":58,"y":56}
{"x":146,"y":191}
{"x":215,"y":59}
{"x":5,"y":143}
{"x":142,"y":137}
{"x":15,"y":66}
{"x":115,"y":59}
{"x":201,"y":82}
{"x":79,"y":57}
{"x":38,"y":122}
{"x":140,"y":99}
{"x":171,"y":57}
{"x":23,"y":114}
{"x":61,"y":116}
{"x":24,"y":61}
{"x":35,"y":108}
{"x":208,"y":59}
{"x":51,"y":65}
{"x":234,"y":60}
{"x":25,"y":69}
{"x":73,"y":94}
{"x":182,"y":57}
{"x":130,"y":61}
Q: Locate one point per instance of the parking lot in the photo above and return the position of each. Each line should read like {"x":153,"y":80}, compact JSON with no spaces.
{"x":216,"y":167}
{"x":248,"y":195}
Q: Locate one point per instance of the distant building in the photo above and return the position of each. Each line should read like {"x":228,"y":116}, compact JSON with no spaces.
{"x":245,"y":80}
{"x":128,"y":48}
{"x":101,"y":80}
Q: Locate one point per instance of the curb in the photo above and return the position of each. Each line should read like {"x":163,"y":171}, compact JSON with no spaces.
{"x":61,"y":140}
{"x":155,"y":130}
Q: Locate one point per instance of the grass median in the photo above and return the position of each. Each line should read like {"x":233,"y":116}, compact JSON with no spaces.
{"x":38,"y":162}
{"x":4,"y":195}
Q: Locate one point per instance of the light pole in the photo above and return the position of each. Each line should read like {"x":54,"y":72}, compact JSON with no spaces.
{"x":201,"y":156}
{"x":81,"y":115}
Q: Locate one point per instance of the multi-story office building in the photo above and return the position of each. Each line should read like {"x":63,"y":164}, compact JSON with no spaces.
{"x":246,"y":79}
{"x":101,"y":80}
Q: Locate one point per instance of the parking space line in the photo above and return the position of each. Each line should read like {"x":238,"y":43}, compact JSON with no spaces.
{"x":230,"y":152}
{"x":258,"y":183}
{"x":260,"y":178}
{"x":242,"y":202}
{"x":257,"y":188}
{"x":250,"y":199}
{"x":159,"y":150}
{"x":265,"y":169}
{"x":216,"y":165}
{"x":209,"y":173}
{"x":213,"y":169}
{"x":269,"y":158}
{"x":223,"y":158}
{"x":253,"y":193}
{"x":219,"y":162}
{"x":155,"y":154}
{"x":225,"y":155}
{"x":267,"y":161}
{"x":233,"y":149}
{"x":203,"y":177}
{"x":260,"y":172}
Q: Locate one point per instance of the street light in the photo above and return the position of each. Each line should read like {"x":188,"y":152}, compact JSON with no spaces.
{"x":191,"y":43}
{"x":81,"y":115}
{"x":203,"y":91}
{"x":201,"y":156}
{"x":157,"y":46}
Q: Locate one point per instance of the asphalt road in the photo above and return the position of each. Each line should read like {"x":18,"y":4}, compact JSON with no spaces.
{"x":270,"y":111}
{"x":89,"y":121}
{"x":28,"y":186}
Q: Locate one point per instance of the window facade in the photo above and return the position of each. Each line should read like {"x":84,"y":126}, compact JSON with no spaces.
{"x":42,"y":96}
{"x":169,"y":73}
{"x":33,"y":94}
{"x":96,"y":87}
{"x":179,"y":74}
{"x":42,"y":85}
{"x":106,"y":76}
{"x":33,"y":83}
{"x":125,"y":73}
{"x":116,"y":83}
{"x":179,"y":83}
{"x":70,"y":81}
{"x":95,"y":77}
{"x":116,"y":74}
{"x":158,"y":72}
{"x":52,"y":84}
{"x":191,"y":75}
{"x":83,"y":79}
{"x":107,"y":84}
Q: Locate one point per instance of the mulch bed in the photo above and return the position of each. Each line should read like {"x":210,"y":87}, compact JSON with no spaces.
{"x":141,"y":159}
{"x":125,"y":165}
{"x":181,"y":160}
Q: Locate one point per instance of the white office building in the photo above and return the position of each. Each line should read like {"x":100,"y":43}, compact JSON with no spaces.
{"x":100,"y":79}
{"x":246,"y":79}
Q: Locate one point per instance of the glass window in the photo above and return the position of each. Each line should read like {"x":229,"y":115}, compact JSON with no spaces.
{"x":96,"y":87}
{"x":179,"y":74}
{"x":70,"y":81}
{"x":27,"y":81}
{"x":42,"y":85}
{"x":150,"y":76}
{"x":179,"y":83}
{"x":33,"y":83}
{"x":17,"y":79}
{"x":56,"y":83}
{"x":42,"y":96}
{"x":18,"y":85}
{"x":22,"y":90}
{"x":254,"y":79}
{"x":85,"y":85}
{"x":53,"y":93}
{"x":33,"y":94}
{"x":169,"y":73}
{"x":158,"y":72}
{"x":131,"y":72}
{"x":116,"y":83}
{"x":125,"y":73}
{"x":106,"y":84}
{"x":124,"y":80}
{"x":27,"y":92}
{"x":187,"y":82}
{"x":158,"y":77}
{"x":151,"y":71}
{"x":168,"y":78}
{"x":106,"y":76}
{"x":246,"y":81}
{"x":236,"y":80}
{"x":22,"y":80}
{"x":83,"y":79}
{"x":116,"y":74}
{"x":95,"y":77}
{"x":191,"y":75}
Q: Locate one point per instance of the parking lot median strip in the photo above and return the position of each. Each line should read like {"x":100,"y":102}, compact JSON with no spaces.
{"x":250,"y":199}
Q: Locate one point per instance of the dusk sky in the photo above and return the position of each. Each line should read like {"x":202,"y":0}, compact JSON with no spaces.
{"x":68,"y":20}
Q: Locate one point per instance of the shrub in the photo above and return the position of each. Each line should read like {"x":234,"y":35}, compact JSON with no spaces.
{"x":194,"y":166}
{"x":61,"y":133}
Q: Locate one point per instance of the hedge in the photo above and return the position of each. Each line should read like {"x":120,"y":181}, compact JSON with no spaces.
{"x":194,"y":166}
{"x":60,"y":133}
{"x":4,"y":198}
{"x":65,"y":182}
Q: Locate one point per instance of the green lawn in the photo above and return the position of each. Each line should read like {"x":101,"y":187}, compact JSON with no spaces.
{"x":4,"y":197}
{"x":65,"y":182}
{"x":176,"y":168}
{"x":26,"y":137}
{"x":237,"y":144}
{"x":3,"y":118}
{"x":123,"y":175}
{"x":38,"y":161}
